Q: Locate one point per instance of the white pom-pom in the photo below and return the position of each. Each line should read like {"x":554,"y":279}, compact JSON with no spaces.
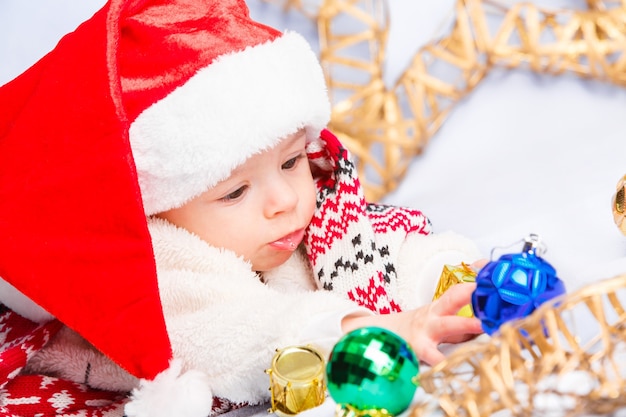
{"x":172,"y":394}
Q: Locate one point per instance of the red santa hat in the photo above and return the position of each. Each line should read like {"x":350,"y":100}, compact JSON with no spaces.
{"x":144,"y":106}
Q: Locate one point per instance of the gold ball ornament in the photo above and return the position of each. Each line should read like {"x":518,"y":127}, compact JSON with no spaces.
{"x":618,"y":205}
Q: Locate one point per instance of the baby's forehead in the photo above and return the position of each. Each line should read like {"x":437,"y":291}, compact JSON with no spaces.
{"x":284,"y":143}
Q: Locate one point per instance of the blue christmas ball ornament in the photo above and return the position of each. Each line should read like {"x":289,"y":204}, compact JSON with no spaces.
{"x":514,"y":286}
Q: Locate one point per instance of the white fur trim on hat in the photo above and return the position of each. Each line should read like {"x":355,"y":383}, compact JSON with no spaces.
{"x":172,"y":394}
{"x":239,"y":105}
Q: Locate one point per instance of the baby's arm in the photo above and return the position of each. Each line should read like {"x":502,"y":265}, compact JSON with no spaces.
{"x":420,"y":262}
{"x":426,"y":327}
{"x":424,"y":323}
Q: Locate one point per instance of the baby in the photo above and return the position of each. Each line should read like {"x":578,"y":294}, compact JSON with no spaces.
{"x":169,"y":165}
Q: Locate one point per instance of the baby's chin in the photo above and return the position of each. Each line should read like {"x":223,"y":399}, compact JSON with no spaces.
{"x":273,"y":260}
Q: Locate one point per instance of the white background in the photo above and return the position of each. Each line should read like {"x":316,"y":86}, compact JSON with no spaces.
{"x":522,"y":154}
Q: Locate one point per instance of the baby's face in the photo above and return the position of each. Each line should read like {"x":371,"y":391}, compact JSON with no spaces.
{"x":261,"y":210}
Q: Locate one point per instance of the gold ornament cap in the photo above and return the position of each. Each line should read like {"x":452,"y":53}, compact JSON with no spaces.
{"x":618,"y":205}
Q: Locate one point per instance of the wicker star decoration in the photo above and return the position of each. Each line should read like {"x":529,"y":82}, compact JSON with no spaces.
{"x":385,"y":128}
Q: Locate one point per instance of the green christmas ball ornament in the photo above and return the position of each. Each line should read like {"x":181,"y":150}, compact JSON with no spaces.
{"x":372,"y":369}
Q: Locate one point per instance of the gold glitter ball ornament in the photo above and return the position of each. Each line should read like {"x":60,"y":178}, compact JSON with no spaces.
{"x":618,"y":205}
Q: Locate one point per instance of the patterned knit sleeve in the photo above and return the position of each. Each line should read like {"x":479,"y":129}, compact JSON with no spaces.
{"x":421,"y":259}
{"x":353,"y":245}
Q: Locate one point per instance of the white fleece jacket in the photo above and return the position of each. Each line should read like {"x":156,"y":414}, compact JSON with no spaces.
{"x":228,"y":322}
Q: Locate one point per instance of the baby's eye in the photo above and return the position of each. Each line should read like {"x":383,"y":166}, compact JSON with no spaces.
{"x":235,"y":194}
{"x":292,"y":162}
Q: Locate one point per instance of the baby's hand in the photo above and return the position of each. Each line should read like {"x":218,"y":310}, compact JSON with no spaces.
{"x":425,"y":328}
{"x":438,"y":323}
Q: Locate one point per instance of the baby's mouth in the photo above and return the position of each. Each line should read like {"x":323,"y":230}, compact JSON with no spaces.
{"x":289,"y":242}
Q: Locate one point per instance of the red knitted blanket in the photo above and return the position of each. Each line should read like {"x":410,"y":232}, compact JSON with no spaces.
{"x":45,"y":396}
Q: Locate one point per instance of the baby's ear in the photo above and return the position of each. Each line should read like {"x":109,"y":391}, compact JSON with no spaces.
{"x":22,"y":305}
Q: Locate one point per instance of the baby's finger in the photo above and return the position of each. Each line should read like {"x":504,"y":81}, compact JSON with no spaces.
{"x":450,"y":327}
{"x":460,"y":338}
{"x":453,"y":299}
{"x":478,"y":265}
{"x":430,"y":355}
